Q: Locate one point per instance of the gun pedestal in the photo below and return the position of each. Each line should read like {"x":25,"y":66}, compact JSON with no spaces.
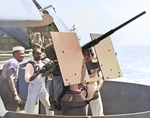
{"x":73,"y":102}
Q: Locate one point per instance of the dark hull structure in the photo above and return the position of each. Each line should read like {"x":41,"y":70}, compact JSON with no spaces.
{"x":125,"y":98}
{"x":120,"y":100}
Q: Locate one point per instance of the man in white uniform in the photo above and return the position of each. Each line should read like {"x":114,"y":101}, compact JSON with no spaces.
{"x":36,"y":88}
{"x":92,"y":87}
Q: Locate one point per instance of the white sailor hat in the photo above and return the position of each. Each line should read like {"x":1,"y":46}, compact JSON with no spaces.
{"x":16,"y":48}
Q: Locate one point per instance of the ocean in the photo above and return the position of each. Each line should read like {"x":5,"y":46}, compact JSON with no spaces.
{"x":134,"y":62}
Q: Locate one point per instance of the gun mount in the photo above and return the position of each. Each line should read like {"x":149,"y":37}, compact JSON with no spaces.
{"x":96,"y":41}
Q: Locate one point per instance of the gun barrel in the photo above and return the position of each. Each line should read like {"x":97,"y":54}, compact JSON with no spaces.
{"x":96,"y":41}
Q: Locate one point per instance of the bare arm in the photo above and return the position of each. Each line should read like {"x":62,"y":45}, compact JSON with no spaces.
{"x":100,"y":82}
{"x":34,"y":76}
{"x":29,"y":70}
{"x":11,"y":85}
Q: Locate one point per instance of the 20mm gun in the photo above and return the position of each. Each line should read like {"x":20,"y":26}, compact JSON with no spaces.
{"x":96,"y":41}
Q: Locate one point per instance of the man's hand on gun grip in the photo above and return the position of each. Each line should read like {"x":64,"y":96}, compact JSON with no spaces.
{"x":48,"y":73}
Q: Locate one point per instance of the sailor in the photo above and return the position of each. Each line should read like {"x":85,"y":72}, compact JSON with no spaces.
{"x":35,"y":40}
{"x":9,"y":78}
{"x":92,"y":87}
{"x":36,"y":88}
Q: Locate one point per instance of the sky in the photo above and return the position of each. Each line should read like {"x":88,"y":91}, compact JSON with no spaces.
{"x":100,"y":16}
